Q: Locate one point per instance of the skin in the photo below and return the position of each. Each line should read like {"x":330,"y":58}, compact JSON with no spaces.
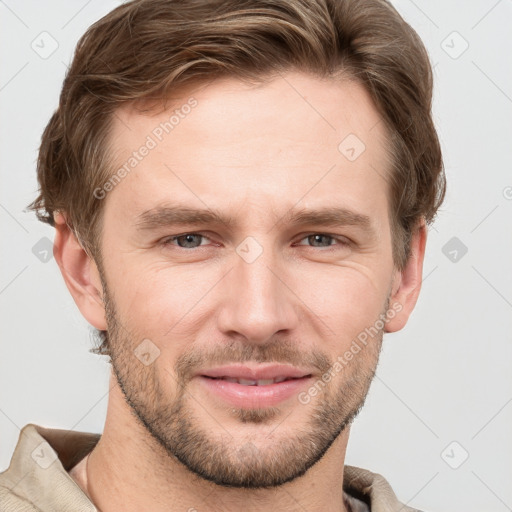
{"x":255,"y":154}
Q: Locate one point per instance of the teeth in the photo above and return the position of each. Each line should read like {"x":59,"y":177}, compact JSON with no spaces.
{"x":251,"y":382}
{"x":265,"y":382}
{"x":246,"y":382}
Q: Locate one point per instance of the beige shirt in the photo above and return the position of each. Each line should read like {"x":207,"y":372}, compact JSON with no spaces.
{"x":38,"y":479}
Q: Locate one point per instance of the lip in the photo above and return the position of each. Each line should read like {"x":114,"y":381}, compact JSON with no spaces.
{"x":254,"y":397}
{"x":259,"y":372}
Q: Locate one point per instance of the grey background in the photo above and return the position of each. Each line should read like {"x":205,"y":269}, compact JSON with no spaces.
{"x":443,"y":388}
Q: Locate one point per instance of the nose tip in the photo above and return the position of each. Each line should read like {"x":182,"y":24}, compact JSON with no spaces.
{"x":256,"y":303}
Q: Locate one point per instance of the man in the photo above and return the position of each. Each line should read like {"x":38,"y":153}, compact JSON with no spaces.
{"x":240,"y":192}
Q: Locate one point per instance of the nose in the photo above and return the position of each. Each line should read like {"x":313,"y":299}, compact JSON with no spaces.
{"x":257,"y":302}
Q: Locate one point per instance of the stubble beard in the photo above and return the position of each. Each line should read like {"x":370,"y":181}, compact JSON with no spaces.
{"x":217,"y":456}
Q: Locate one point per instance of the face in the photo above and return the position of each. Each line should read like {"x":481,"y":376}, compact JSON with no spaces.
{"x":249,"y":243}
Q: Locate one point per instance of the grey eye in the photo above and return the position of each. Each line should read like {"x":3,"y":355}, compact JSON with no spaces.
{"x":322,"y":240}
{"x":188,"y":241}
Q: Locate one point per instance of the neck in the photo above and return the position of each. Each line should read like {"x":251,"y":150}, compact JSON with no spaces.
{"x":128,"y":470}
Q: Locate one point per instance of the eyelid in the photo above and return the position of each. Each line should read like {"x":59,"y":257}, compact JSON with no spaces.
{"x":168,"y":239}
{"x":342,"y":240}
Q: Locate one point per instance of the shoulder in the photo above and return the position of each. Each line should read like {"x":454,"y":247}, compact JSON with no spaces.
{"x":373,"y":489}
{"x":11,"y":502}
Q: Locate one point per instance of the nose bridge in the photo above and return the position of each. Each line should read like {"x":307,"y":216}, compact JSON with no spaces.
{"x":257,"y":303}
{"x":258,"y":283}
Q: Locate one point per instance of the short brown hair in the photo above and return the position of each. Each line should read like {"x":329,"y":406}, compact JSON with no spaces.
{"x":148,"y":48}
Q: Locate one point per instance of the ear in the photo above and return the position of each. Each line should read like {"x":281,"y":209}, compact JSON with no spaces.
{"x":406,"y":284}
{"x":80,"y":273}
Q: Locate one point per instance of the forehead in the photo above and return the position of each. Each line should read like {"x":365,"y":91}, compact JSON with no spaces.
{"x":294,"y":138}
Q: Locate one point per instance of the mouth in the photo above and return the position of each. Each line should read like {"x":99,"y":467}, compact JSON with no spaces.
{"x":250,"y":387}
{"x":252,"y":375}
{"x":254,"y":382}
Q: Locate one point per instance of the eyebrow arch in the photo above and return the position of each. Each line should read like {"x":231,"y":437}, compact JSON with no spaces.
{"x":163,"y":216}
{"x":176,"y":215}
{"x":329,"y":216}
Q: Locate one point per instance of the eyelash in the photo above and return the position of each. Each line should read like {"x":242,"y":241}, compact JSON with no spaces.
{"x":342,"y":241}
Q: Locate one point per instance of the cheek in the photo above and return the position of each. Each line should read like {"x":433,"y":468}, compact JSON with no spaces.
{"x":158,"y":300}
{"x":163,"y":302}
{"x":347,"y":298}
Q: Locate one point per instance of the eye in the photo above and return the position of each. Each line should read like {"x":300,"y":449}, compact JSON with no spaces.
{"x":195,"y":240}
{"x":186,"y":241}
{"x":324,"y":240}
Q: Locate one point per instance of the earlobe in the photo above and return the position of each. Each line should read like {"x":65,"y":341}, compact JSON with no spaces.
{"x":80,"y":273}
{"x":407,"y":283}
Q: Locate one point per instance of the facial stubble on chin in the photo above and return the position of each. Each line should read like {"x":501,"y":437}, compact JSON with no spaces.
{"x":217,"y":457}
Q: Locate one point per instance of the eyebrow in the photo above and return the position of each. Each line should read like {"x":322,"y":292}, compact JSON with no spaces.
{"x":163,"y":216}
